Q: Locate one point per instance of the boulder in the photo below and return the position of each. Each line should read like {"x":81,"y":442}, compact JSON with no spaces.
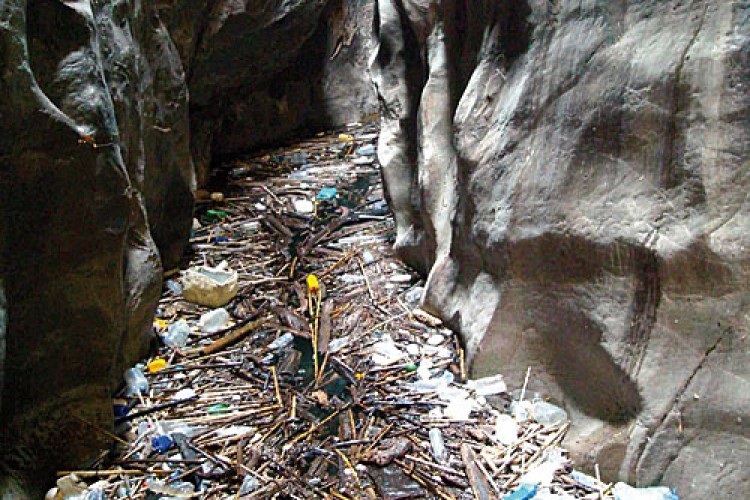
{"x":573,"y":178}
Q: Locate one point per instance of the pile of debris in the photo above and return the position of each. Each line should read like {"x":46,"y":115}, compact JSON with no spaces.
{"x":296,"y":362}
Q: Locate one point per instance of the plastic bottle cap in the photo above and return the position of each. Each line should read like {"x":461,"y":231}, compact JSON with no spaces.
{"x":162,"y":443}
{"x":312,"y":283}
{"x":156,"y":365}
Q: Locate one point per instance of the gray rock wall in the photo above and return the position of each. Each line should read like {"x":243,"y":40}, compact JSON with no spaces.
{"x":104,"y":105}
{"x":94,"y":120}
{"x":573,"y":175}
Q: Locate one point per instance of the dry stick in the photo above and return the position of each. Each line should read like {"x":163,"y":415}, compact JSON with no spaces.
{"x":598,"y":480}
{"x":367,"y":281}
{"x":106,"y":473}
{"x":230,"y":339}
{"x":525,"y":384}
{"x":276,"y":387}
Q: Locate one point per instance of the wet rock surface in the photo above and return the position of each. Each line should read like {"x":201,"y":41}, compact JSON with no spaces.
{"x":573,"y":176}
{"x":97,"y":183}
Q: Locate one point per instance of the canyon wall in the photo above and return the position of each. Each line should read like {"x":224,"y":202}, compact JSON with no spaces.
{"x":111,"y":111}
{"x":573,"y":176}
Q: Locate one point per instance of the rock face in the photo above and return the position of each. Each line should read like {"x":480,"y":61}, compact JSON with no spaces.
{"x":97,"y":179}
{"x":574,"y":178}
{"x":260,"y":72}
{"x":95,"y":133}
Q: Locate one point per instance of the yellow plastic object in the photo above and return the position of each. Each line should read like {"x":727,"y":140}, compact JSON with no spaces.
{"x":160,"y":324}
{"x":346,"y":138}
{"x":156,"y":365}
{"x":312,"y":283}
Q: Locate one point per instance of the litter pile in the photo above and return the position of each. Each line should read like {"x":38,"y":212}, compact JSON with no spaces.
{"x":295,"y":253}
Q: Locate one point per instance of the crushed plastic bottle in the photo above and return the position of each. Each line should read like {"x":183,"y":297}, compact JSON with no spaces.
{"x":544,"y":472}
{"x":414,"y":296}
{"x":459,"y":408}
{"x":585,"y":480}
{"x":506,"y":430}
{"x":337,"y":344}
{"x":179,"y":489}
{"x":439,"y":453}
{"x":135,"y":380}
{"x":162,"y":443}
{"x":523,"y":492}
{"x":435,"y":384}
{"x":386,"y":352}
{"x":213,"y":321}
{"x":366,"y":150}
{"x":249,"y":484}
{"x":623,"y":491}
{"x":177,"y":334}
{"x":488,"y":386}
{"x":250,"y":227}
{"x":174,"y":287}
{"x":281,"y":342}
{"x":547,"y":413}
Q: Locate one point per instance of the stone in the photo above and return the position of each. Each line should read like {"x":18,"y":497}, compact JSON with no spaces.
{"x":572,"y":178}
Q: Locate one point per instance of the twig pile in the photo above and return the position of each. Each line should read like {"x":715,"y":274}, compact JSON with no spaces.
{"x":254,"y":411}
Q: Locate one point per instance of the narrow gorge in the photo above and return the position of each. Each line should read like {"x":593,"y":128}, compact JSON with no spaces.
{"x":571,"y":179}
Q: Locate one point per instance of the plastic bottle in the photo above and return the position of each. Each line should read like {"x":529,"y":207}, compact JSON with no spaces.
{"x":623,"y":491}
{"x":437,"y":443}
{"x":367,"y":150}
{"x":174,"y":287}
{"x":213,"y":321}
{"x":179,"y":489}
{"x":281,"y":342}
{"x":136,"y":380}
{"x":548,"y":414}
{"x":162,"y":443}
{"x":177,"y":334}
{"x":488,"y":386}
{"x":249,"y":484}
{"x":523,"y":492}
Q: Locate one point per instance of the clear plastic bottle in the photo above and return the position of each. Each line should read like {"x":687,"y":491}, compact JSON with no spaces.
{"x":547,"y":413}
{"x":136,"y":380}
{"x":179,"y":489}
{"x":213,"y":321}
{"x":177,"y":334}
{"x":488,"y":386}
{"x":281,"y":342}
{"x":249,"y":484}
{"x":438,"y":445}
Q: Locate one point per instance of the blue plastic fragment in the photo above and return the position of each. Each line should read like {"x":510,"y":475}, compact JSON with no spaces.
{"x":523,"y":492}
{"x":162,"y":444}
{"x":327,"y":193}
{"x":367,"y":150}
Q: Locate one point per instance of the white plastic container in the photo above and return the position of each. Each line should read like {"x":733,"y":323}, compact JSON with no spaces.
{"x":210,"y":286}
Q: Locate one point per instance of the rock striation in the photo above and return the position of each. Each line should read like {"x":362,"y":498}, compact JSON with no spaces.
{"x":573,"y":177}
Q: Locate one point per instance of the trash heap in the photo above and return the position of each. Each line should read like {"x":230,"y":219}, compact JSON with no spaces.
{"x":294,"y":252}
